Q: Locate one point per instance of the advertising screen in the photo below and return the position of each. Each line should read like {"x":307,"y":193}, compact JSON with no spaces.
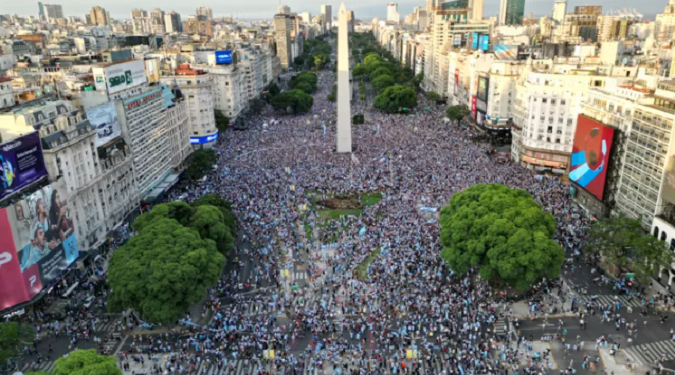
{"x":38,"y":243}
{"x":482,"y":89}
{"x":484,"y":42}
{"x":21,"y":163}
{"x":118,"y":77}
{"x":474,"y":41}
{"x":224,"y":57}
{"x":202,"y":140}
{"x":590,"y":155}
{"x":505,"y":52}
{"x":104,"y":120}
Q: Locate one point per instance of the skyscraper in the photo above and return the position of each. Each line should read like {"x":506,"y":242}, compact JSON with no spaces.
{"x":98,"y":16}
{"x":559,"y":10}
{"x":41,"y":10}
{"x":392,"y":12}
{"x":327,"y":13}
{"x":156,"y":21}
{"x":172,"y":22}
{"x":306,"y":16}
{"x":511,"y":12}
{"x":476,"y":10}
{"x":284,"y":9}
{"x":206,"y":12}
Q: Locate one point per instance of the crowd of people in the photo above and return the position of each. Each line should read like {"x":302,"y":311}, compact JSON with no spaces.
{"x":273,"y":174}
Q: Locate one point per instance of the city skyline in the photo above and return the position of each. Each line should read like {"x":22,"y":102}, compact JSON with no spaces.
{"x":364,"y":10}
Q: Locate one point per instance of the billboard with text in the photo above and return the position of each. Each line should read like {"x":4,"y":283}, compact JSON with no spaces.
{"x":21,"y":163}
{"x":117,"y":77}
{"x":590,"y":155}
{"x":39,"y":243}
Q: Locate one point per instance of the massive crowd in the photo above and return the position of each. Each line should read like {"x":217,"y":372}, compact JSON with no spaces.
{"x":272,"y":174}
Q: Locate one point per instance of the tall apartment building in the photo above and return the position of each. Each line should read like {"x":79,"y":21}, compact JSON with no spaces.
{"x":53,"y":11}
{"x":205,"y":12}
{"x":283,"y":26}
{"x":631,"y":188}
{"x":203,"y":28}
{"x":172,"y":22}
{"x":664,"y":30}
{"x":612,"y":28}
{"x":511,"y":12}
{"x":139,"y":21}
{"x":476,"y":10}
{"x":578,"y":28}
{"x":548,"y":103}
{"x":98,"y":16}
{"x":156,"y":21}
{"x":559,"y":10}
{"x":196,"y":85}
{"x":284,"y":9}
{"x":179,"y":130}
{"x":228,"y":93}
{"x":327,"y":14}
{"x":392,"y":13}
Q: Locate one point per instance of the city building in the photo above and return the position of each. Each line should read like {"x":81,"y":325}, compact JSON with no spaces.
{"x":511,"y":12}
{"x":559,"y":10}
{"x":156,"y":21}
{"x":178,"y":124}
{"x":284,"y":9}
{"x":476,"y":10}
{"x":196,"y":27}
{"x":229,"y":95}
{"x":306,"y":16}
{"x":327,"y":15}
{"x":98,"y":16}
{"x":172,"y":22}
{"x":205,"y":12}
{"x":196,"y":86}
{"x":392,"y":13}
{"x":53,"y":11}
{"x":283,"y":25}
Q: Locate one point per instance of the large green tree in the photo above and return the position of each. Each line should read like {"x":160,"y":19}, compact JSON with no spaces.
{"x":503,"y":232}
{"x":359,"y":70}
{"x":177,"y":210}
{"x":209,"y":222}
{"x":224,"y":206}
{"x":13,"y":338}
{"x":297,"y":100}
{"x":395,"y":98}
{"x":456,"y":112}
{"x":379,"y":72}
{"x":86,"y":362}
{"x":162,"y":270}
{"x":222,"y":122}
{"x":381,"y":83}
{"x":626,"y":248}
{"x":308,"y":78}
{"x":202,"y":162}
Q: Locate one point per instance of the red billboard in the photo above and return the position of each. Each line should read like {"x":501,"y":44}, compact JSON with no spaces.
{"x":473,"y":106}
{"x":590,"y":155}
{"x":38,"y":243}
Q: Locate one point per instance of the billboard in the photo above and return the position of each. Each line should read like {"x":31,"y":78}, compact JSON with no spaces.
{"x":223,"y":57}
{"x":482,"y":93}
{"x":484,"y":42}
{"x":590,"y":155}
{"x":38,"y":243}
{"x":474,"y":41}
{"x":104,"y":120}
{"x":118,"y":77}
{"x":506,"y":52}
{"x":21,"y":163}
{"x":204,"y":139}
{"x":473,"y":106}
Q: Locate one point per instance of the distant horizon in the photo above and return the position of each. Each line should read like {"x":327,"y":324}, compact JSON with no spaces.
{"x":265,"y":9}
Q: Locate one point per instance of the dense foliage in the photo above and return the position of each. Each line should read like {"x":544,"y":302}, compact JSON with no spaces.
{"x":381,"y":83}
{"x":396,"y":99}
{"x":304,"y":78}
{"x":625,"y":248}
{"x":297,"y":100}
{"x":202,"y":162}
{"x":86,"y":362}
{"x":13,"y":338}
{"x":456,"y":112}
{"x":222,"y":122}
{"x":503,"y":232}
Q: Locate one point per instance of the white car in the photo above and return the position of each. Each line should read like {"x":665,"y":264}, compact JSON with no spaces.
{"x":89,"y":301}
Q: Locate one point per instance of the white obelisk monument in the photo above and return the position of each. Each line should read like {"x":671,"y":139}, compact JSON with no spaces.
{"x":344,"y":113}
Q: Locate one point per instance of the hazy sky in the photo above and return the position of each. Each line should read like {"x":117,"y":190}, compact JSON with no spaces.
{"x":363,"y":9}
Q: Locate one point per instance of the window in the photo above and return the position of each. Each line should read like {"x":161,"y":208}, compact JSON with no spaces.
{"x":656,"y":232}
{"x":663,"y":236}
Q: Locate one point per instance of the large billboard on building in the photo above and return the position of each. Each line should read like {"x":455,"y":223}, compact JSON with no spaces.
{"x":104,"y":120}
{"x":506,"y":52}
{"x":223,"y":57}
{"x":118,"y":77}
{"x":482,"y":93}
{"x":38,"y":243}
{"x":21,"y":163}
{"x":590,"y":155}
{"x":484,"y":42}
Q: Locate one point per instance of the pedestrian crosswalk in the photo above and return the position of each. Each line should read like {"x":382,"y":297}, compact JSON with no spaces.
{"x":45,"y":366}
{"x":299,"y":275}
{"x":610,"y":300}
{"x":648,"y":354}
{"x":501,"y":327}
{"x":110,"y":326}
{"x":266,"y":307}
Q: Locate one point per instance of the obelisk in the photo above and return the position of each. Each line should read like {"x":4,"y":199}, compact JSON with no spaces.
{"x":344,"y":117}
